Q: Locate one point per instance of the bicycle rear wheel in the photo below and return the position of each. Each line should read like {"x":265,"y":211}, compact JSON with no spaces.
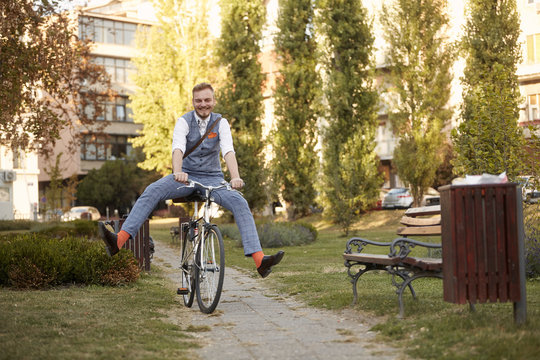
{"x":187,"y":268}
{"x":210,"y":272}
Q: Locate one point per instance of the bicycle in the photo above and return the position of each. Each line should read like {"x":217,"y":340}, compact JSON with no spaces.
{"x":202,"y":254}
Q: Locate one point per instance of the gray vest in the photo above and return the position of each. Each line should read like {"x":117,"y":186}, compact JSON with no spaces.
{"x":204,"y":160}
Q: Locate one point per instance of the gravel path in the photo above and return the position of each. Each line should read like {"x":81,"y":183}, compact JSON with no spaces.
{"x":253,"y":322}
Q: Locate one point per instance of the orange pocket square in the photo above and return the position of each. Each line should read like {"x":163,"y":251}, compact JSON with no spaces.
{"x":212,"y":135}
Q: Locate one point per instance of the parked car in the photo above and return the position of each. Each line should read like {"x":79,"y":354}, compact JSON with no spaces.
{"x":431,"y":200}
{"x":397,"y":198}
{"x":82,"y":212}
{"x":530,"y":193}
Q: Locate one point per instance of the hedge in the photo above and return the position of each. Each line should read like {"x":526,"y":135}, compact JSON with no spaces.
{"x":36,"y":260}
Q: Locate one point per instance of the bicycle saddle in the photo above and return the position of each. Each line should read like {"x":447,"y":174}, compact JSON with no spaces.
{"x":196,"y":196}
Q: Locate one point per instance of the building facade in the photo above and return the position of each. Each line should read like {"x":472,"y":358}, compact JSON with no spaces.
{"x":18,"y":185}
{"x":112,"y":27}
{"x":529,"y":69}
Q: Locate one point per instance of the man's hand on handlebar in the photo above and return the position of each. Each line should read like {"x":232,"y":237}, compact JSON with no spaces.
{"x":237,"y":183}
{"x":181,"y":177}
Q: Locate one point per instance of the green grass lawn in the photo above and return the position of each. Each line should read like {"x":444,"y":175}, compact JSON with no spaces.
{"x":134,"y":321}
{"x":431,"y":329}
{"x":95,"y":322}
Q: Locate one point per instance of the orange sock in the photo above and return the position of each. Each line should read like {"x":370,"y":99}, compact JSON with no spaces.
{"x":257,"y":257}
{"x":121,"y":238}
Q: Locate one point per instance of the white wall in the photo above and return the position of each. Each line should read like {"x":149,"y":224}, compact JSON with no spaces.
{"x":19,"y":198}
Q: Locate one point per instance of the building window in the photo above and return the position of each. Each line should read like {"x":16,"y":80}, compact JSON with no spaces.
{"x":533,"y":49}
{"x":102,"y":148}
{"x":120,"y":70}
{"x":533,"y":102}
{"x":116,"y":109}
{"x":108,"y":31}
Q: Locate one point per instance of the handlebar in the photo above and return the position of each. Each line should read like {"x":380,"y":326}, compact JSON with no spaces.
{"x":210,"y":188}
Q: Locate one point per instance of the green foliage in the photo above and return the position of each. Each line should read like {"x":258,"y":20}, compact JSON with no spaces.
{"x":115,"y":185}
{"x":76,"y":228}
{"x":277,"y":234}
{"x":53,"y":192}
{"x":39,"y":49}
{"x":420,"y":58}
{"x":38,"y":261}
{"x":351,"y":181}
{"x":175,"y":56}
{"x":444,"y":174}
{"x":531,"y":219}
{"x":6,"y":225}
{"x":295,"y":164}
{"x":488,"y":140}
{"x":240,"y":98}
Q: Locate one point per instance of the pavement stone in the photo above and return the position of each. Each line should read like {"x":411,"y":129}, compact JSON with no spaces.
{"x":252,"y":322}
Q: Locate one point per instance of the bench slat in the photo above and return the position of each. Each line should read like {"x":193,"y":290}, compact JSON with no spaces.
{"x":412,"y":221}
{"x":372,"y":258}
{"x":424,"y":263}
{"x":419,"y":230}
{"x":423,"y":211}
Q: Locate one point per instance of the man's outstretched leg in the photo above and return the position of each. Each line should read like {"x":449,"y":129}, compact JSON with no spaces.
{"x":235,"y":202}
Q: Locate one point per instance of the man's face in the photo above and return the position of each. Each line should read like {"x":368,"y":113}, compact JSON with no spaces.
{"x":203,"y":102}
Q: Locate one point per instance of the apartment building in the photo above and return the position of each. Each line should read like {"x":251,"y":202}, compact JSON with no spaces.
{"x":112,"y":26}
{"x":529,"y":69}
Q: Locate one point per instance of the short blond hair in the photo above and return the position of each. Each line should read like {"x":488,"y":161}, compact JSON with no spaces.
{"x":202,"y":86}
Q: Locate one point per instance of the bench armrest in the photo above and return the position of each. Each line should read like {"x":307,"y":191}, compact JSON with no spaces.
{"x":361,"y":244}
{"x":402,"y":247}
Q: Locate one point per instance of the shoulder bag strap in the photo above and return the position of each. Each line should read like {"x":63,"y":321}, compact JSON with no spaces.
{"x":202,"y":138}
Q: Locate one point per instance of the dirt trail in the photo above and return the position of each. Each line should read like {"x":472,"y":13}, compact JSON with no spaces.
{"x":253,"y":322}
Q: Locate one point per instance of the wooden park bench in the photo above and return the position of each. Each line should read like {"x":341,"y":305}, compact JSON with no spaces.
{"x":398,"y":262}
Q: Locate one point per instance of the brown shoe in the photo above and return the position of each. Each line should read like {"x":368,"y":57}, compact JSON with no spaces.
{"x":268,"y":262}
{"x":109,"y":238}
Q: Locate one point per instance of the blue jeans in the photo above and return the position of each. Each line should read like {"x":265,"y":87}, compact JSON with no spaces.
{"x":168,"y":188}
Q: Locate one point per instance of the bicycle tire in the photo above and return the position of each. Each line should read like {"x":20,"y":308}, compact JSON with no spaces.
{"x":187,"y":275}
{"x":210,"y":272}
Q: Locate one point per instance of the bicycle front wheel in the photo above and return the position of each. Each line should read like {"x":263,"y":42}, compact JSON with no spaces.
{"x":210,"y":270}
{"x":187,"y":268}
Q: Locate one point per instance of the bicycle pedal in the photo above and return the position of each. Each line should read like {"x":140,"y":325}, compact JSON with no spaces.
{"x":182,"y":291}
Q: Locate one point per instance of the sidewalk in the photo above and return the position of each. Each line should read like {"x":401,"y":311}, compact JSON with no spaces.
{"x":253,"y":322}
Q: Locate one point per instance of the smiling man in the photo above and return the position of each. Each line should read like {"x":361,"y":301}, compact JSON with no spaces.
{"x":199,"y":161}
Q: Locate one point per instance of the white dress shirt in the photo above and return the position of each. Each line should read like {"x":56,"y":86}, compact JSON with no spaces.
{"x":181,"y":129}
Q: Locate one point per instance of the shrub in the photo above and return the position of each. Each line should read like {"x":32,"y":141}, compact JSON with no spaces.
{"x":15,"y":225}
{"x":37,"y":261}
{"x":276,"y":234}
{"x":76,"y":228}
{"x":532,"y":241}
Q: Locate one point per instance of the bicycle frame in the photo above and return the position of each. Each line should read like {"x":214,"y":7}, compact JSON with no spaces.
{"x":206,"y":212}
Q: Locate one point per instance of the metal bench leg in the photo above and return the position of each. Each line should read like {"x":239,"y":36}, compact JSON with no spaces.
{"x":356,"y":276}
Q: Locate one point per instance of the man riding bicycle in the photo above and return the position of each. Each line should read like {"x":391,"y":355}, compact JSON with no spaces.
{"x":201,"y":164}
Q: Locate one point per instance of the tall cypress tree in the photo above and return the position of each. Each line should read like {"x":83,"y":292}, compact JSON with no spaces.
{"x":488,"y":138}
{"x":351,"y":180}
{"x":420,"y":58}
{"x":240,"y":98}
{"x":295,"y":162}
